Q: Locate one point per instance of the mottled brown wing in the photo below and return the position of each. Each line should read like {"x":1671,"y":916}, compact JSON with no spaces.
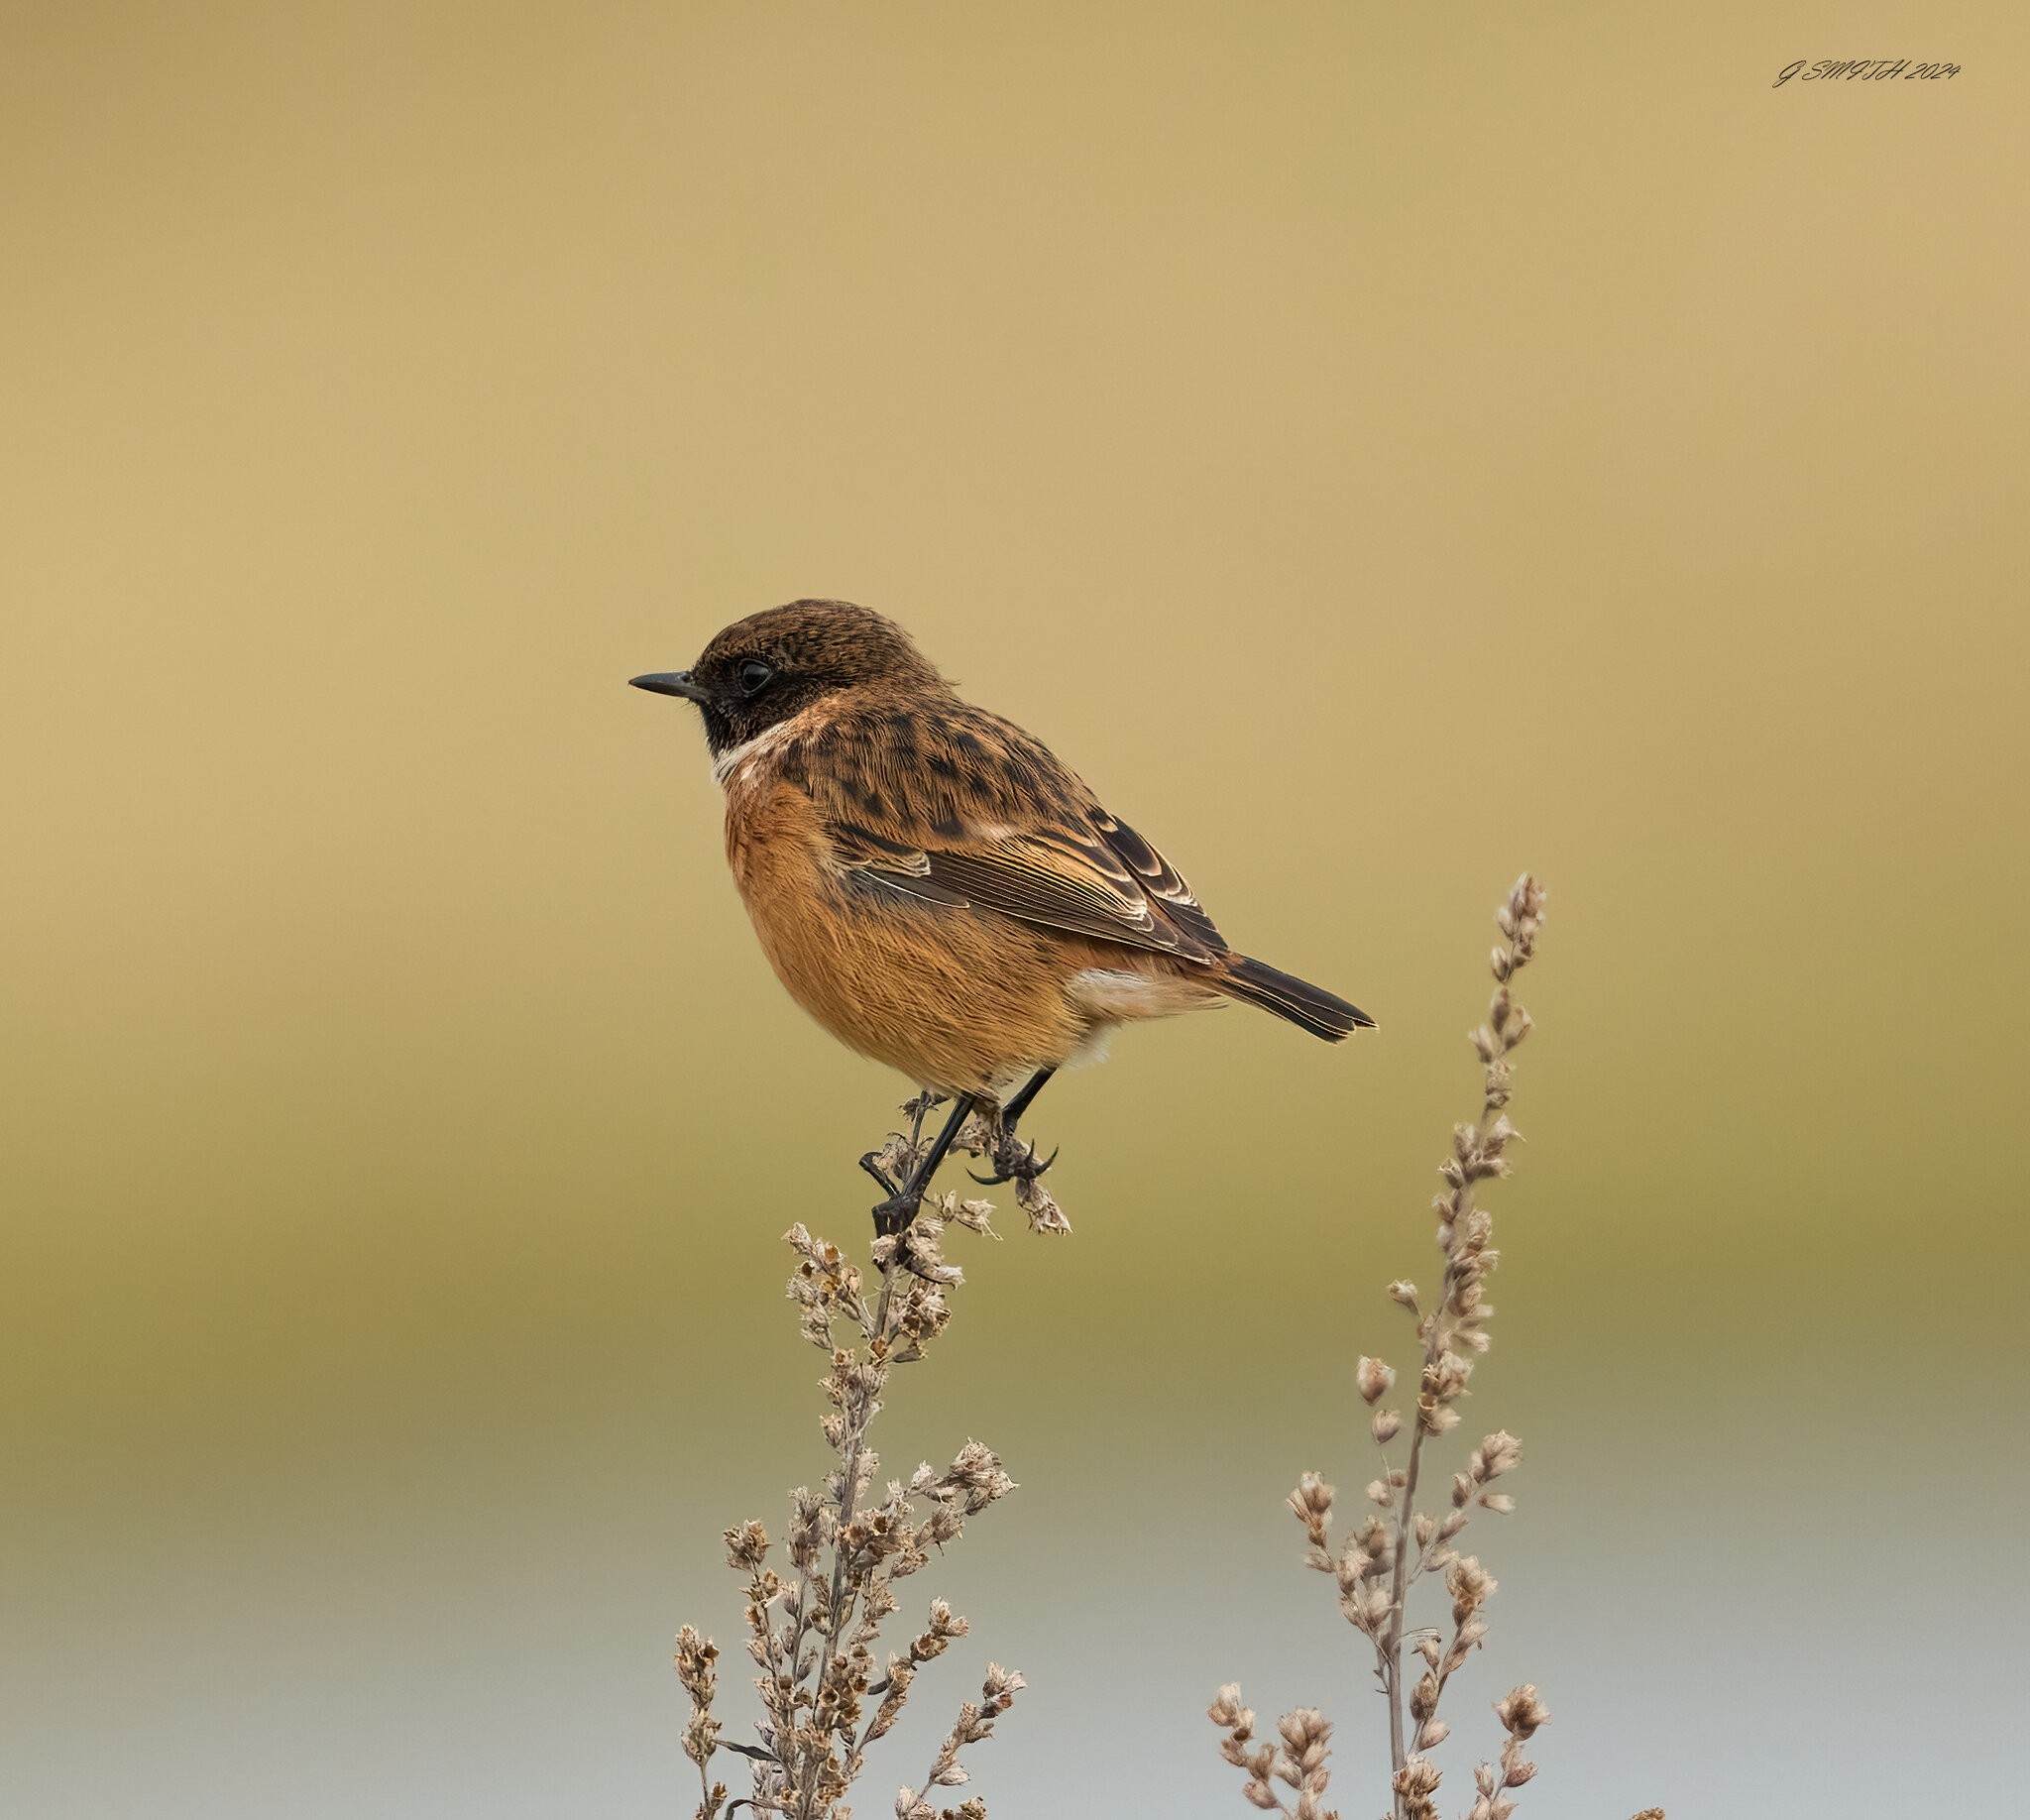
{"x":1158,"y":878}
{"x":1055,"y":881}
{"x":975,"y":813}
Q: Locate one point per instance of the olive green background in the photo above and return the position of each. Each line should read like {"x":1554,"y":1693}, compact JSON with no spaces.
{"x":1383,"y":447}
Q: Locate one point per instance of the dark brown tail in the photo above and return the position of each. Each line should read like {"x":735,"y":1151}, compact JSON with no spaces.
{"x":1308,"y":1007}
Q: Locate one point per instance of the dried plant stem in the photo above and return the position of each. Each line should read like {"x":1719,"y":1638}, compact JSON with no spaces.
{"x":1406,"y":1544}
{"x":1376,"y":1564}
{"x":840,"y":1605}
{"x":813,"y":1629}
{"x":1391,"y":1649}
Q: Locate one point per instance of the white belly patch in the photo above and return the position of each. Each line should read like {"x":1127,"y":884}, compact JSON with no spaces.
{"x":1122,"y":994}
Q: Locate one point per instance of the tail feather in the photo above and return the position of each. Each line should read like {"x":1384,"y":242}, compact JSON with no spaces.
{"x":1309,"y":1007}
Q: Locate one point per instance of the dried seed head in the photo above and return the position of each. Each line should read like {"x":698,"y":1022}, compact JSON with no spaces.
{"x":1471,"y":1586}
{"x":1516,"y":1767}
{"x":997,"y":1692}
{"x":1445,"y":1378}
{"x":1385,"y":1425}
{"x":1312,"y":1504}
{"x":979,"y":1134}
{"x":746,"y":1546}
{"x":976,"y":1479}
{"x":1304,"y":1730}
{"x":1045,"y":1215}
{"x":1520,"y":1711}
{"x":695,"y":1657}
{"x":977,"y":1215}
{"x":1374,"y":1379}
{"x":1226,"y":1710}
{"x":1500,"y":1452}
{"x":1419,"y":1779}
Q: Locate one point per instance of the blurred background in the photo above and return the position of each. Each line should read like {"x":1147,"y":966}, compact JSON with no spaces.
{"x":1383,"y":449}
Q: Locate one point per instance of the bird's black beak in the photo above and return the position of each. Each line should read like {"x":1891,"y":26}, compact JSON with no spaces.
{"x":670,"y":682}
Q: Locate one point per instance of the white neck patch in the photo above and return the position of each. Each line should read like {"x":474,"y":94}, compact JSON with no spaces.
{"x":759,"y":746}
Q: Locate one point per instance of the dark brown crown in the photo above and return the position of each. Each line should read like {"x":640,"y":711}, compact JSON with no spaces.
{"x":834,"y":642}
{"x":814,"y":649}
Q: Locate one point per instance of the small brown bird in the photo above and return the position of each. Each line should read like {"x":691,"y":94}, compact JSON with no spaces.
{"x":933,"y":886}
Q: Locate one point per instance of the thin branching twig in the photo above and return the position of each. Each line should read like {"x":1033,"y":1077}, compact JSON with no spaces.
{"x":1378,"y":1565}
{"x":814,"y":1626}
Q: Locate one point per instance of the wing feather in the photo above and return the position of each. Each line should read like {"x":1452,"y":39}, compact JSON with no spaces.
{"x":1004,"y":827}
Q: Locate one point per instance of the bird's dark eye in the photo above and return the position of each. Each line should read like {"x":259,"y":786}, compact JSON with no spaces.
{"x":756,"y":676}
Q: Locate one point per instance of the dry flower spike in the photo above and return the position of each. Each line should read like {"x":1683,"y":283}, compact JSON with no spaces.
{"x":1378,"y":1565}
{"x":816,"y":1622}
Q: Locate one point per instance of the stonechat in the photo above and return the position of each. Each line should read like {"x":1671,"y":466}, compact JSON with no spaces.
{"x":933,"y":886}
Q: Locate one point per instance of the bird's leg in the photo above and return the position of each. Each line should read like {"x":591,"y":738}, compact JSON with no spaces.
{"x":1015,"y":1108}
{"x":1014,"y":1159}
{"x":894,"y":1214}
{"x":917,"y":1108}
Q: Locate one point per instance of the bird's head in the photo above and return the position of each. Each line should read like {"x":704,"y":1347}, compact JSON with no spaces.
{"x":763,"y":670}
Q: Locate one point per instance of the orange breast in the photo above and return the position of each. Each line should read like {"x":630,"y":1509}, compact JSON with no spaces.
{"x":960,"y":1000}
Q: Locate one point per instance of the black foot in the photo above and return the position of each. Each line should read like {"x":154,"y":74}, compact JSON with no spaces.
{"x":1014,"y":1161}
{"x":895,"y":1214}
